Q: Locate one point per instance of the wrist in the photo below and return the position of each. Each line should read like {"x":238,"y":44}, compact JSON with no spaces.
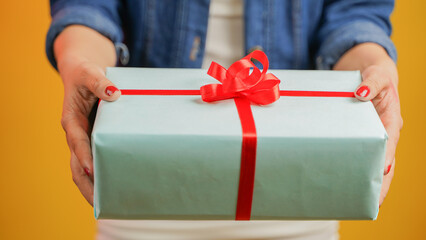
{"x":68,"y":62}
{"x":78,"y":44}
{"x":362,"y":56}
{"x":365,"y":55}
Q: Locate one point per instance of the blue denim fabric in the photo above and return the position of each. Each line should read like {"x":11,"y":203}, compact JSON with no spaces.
{"x":295,"y":34}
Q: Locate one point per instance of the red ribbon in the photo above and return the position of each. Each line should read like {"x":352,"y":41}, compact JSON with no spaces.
{"x":244,"y":82}
{"x":245,"y":87}
{"x":258,"y":87}
{"x":285,"y":93}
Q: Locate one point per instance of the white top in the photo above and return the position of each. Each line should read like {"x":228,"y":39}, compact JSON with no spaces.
{"x":224,"y":45}
{"x":225,"y":37}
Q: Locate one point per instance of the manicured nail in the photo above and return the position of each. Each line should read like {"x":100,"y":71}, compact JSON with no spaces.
{"x":363,"y":91}
{"x":86,"y":170}
{"x":110,"y":90}
{"x":389,"y":168}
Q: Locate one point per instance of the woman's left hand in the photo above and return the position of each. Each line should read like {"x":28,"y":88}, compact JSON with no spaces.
{"x":380,"y":81}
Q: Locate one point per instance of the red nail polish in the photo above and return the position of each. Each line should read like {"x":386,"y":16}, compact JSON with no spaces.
{"x":363,"y":91}
{"x":110,"y":90}
{"x":389,"y":168}
{"x":86,"y":170}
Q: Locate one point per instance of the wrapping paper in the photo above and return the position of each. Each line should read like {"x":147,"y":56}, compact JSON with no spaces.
{"x":177,"y":157}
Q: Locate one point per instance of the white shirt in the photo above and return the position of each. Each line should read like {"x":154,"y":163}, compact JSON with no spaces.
{"x":225,"y":33}
{"x":224,"y":45}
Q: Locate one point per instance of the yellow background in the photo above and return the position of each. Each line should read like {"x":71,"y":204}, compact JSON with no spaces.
{"x":38,"y":199}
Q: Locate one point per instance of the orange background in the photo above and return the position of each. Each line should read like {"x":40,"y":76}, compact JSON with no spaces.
{"x":38,"y":199}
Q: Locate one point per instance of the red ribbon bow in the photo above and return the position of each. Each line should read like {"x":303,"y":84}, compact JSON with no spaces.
{"x":259,"y":87}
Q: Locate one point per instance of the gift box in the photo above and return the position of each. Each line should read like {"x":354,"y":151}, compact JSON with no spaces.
{"x":161,"y":152}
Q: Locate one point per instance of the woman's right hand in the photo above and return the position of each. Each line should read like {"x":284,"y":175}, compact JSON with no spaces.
{"x":82,"y":55}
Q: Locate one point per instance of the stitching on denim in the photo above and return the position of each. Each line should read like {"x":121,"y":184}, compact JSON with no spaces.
{"x":297,"y":38}
{"x":180,"y":32}
{"x":150,"y":29}
{"x":270,"y":20}
{"x":245,"y":27}
{"x":264,"y":34}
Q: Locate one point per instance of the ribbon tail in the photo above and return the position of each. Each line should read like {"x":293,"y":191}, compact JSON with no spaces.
{"x":248,"y":160}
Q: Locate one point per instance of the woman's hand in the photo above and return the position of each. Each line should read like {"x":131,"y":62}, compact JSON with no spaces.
{"x":380,"y":81}
{"x":82,"y":55}
{"x":378,"y":87}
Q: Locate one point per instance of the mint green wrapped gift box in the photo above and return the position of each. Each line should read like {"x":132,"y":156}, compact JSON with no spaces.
{"x":177,"y":157}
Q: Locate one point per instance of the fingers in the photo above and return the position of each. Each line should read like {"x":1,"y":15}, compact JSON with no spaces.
{"x":83,"y":182}
{"x":386,"y":183}
{"x":392,"y":128}
{"x":390,"y":114}
{"x":392,"y":121}
{"x":84,"y":82}
{"x":75,"y":127}
{"x":375,"y":79}
{"x":377,"y":86}
{"x":95,"y":81}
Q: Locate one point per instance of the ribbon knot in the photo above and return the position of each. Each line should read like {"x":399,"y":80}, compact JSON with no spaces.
{"x":243,"y":80}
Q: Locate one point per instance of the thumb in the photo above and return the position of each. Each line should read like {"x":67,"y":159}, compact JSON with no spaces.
{"x":100,"y":86}
{"x":374,"y":81}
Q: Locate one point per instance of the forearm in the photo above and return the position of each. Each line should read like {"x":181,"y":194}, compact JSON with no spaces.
{"x":78,"y":44}
{"x":365,"y":55}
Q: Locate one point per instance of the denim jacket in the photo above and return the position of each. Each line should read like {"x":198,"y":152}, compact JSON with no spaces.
{"x":295,"y":34}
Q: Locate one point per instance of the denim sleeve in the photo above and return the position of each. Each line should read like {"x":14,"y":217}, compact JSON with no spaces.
{"x":346,"y":23}
{"x":100,"y":15}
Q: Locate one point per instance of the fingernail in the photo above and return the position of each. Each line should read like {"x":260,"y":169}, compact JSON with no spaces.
{"x":86,"y":170}
{"x":363,"y":91}
{"x":389,"y":168}
{"x":110,"y":90}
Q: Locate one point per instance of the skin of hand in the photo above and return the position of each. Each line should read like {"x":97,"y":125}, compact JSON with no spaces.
{"x":379,"y":85}
{"x":82,"y":55}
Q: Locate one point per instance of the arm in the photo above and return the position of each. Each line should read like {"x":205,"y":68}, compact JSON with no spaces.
{"x":354,"y":35}
{"x":80,"y":44}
